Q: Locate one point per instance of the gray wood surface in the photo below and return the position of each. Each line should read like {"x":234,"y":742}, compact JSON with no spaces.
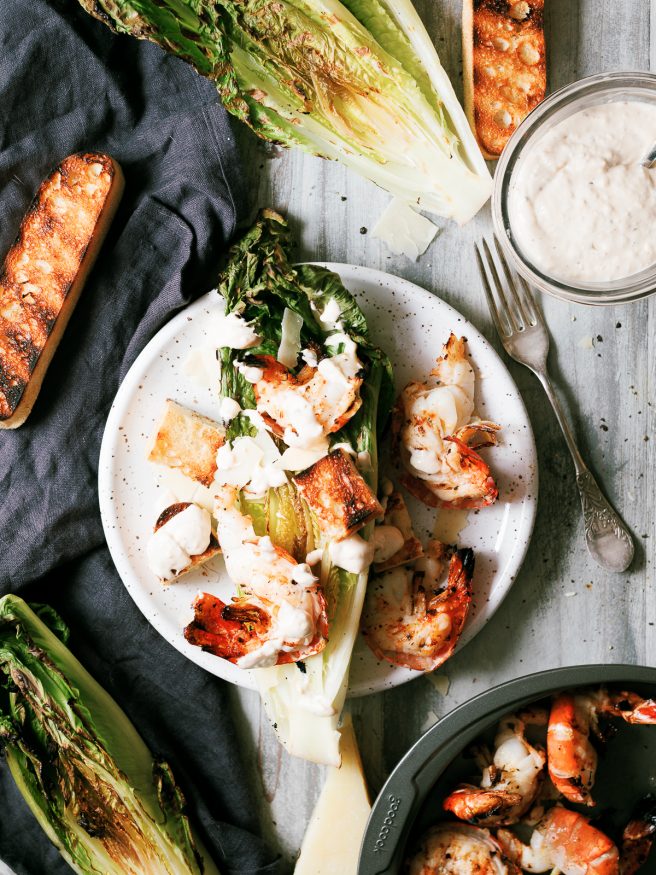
{"x":562,"y":609}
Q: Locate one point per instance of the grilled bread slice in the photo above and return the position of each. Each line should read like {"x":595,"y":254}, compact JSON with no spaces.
{"x":338,"y":495}
{"x":187,"y":441}
{"x":45,"y":270}
{"x":505,"y":72}
{"x":212,"y":550}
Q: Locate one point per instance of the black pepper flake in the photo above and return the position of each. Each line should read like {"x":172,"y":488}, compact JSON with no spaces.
{"x":344,"y":197}
{"x":603,"y":427}
{"x":600,"y":339}
{"x":363,"y":230}
{"x":301,"y":667}
{"x":618,"y":325}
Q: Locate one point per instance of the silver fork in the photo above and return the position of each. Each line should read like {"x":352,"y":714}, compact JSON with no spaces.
{"x":525,"y":338}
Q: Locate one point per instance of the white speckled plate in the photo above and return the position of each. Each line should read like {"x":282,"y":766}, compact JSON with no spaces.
{"x":411,"y":325}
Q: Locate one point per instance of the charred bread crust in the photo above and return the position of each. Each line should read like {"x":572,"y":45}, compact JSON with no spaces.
{"x":505,"y":72}
{"x":188,"y":441}
{"x":213,"y":548}
{"x":44,"y":272}
{"x":338,"y":495}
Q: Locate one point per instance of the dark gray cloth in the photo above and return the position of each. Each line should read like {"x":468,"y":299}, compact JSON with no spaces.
{"x":68,"y":84}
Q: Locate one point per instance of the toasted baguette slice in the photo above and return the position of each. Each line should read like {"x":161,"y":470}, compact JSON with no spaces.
{"x":188,"y":441}
{"x":505,"y":71}
{"x":397,"y":515}
{"x":45,"y":270}
{"x":338,"y":495}
{"x":213,"y":548}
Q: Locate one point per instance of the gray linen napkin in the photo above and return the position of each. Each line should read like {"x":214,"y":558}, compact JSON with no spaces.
{"x":68,"y":84}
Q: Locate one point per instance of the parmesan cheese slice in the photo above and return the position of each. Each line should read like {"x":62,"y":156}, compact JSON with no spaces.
{"x":405,"y":231}
{"x":332,"y":842}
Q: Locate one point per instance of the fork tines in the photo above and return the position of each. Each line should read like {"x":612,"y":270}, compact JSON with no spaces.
{"x":509,"y":297}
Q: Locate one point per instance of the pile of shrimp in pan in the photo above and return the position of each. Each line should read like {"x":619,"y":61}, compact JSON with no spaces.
{"x":519,"y":817}
{"x":410,"y":618}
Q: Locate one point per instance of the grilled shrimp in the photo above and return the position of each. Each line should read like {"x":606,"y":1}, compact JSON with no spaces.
{"x":280,"y":615}
{"x":439,"y":439}
{"x":409,"y":620}
{"x":305,"y":407}
{"x":459,"y":849}
{"x":564,"y":840}
{"x":571,"y":757}
{"x":511,"y":779}
{"x":638,"y":836}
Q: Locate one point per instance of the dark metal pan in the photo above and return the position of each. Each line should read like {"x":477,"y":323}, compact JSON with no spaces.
{"x":410,"y":800}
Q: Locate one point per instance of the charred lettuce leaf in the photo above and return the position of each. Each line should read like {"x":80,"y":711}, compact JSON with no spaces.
{"x":358,"y":81}
{"x":87,"y":776}
{"x":259,"y":282}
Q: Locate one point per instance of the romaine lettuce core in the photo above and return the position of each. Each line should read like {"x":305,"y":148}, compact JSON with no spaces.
{"x":87,"y":776}
{"x":260,"y":283}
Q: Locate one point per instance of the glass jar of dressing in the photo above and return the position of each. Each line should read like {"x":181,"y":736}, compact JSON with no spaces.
{"x":573,"y":209}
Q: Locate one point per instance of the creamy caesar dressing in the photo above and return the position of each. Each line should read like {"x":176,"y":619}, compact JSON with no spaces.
{"x":171,"y":547}
{"x":235,"y":332}
{"x":581,"y":208}
{"x":353,"y":554}
{"x":228,"y":409}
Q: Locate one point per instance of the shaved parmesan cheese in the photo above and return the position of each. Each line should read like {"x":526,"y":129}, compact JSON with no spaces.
{"x":202,"y":366}
{"x":332,"y":841}
{"x":440,"y":681}
{"x":266,"y":444}
{"x":236,"y":464}
{"x":403,"y":230}
{"x":290,"y":339}
{"x":298,"y":458}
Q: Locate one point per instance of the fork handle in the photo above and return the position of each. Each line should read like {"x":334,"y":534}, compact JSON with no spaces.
{"x":607,"y":538}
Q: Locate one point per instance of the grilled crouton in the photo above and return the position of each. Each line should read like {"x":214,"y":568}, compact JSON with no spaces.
{"x":505,"y":73}
{"x":338,"y":495}
{"x":187,"y":441}
{"x":45,"y":270}
{"x":197,"y":559}
{"x":396,"y":514}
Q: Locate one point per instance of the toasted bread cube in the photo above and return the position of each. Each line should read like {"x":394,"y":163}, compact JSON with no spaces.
{"x":396,"y":514}
{"x":187,"y":441}
{"x":338,"y":495}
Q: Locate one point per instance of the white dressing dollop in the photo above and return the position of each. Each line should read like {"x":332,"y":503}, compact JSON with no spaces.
{"x":250,"y":373}
{"x":170,"y":548}
{"x":353,"y":554}
{"x":235,"y":332}
{"x":228,"y":409}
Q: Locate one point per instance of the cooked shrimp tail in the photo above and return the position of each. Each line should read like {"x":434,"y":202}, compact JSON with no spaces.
{"x":481,"y":806}
{"x":574,"y":717}
{"x":511,"y":779}
{"x":410,"y":620}
{"x":226,"y":630}
{"x":564,"y":840}
{"x":456,"y":848}
{"x":241,"y":628}
{"x":638,"y":836}
{"x":437,"y":435}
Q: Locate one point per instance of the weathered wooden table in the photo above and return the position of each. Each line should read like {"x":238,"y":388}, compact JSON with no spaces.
{"x":562,"y":608}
